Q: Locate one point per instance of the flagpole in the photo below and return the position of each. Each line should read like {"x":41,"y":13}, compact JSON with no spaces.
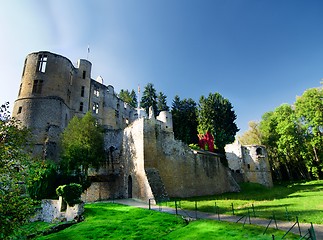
{"x":88,"y":52}
{"x":138,"y":111}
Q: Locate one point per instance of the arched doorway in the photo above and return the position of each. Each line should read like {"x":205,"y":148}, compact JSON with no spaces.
{"x":129,"y":187}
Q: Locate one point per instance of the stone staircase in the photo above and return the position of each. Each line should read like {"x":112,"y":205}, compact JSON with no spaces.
{"x":156,"y":184}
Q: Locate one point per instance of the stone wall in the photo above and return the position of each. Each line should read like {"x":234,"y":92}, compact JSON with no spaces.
{"x":185,"y":173}
{"x":249,"y":163}
{"x":57,"y":211}
{"x":51,"y":210}
{"x":135,"y":178}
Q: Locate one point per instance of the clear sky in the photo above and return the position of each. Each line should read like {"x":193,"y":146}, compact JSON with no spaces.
{"x":257,"y":53}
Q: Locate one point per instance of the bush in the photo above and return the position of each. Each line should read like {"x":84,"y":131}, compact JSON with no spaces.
{"x":71,"y":193}
{"x":42,"y":181}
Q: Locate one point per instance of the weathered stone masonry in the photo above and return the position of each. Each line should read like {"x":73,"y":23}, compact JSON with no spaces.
{"x":143,"y":159}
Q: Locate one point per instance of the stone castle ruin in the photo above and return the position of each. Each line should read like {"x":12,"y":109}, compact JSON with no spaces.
{"x":249,"y":163}
{"x":143,"y":160}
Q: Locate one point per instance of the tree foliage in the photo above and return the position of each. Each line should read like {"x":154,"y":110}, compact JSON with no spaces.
{"x":184,"y":114}
{"x":82,"y":145}
{"x":129,"y":97}
{"x":44,"y":181}
{"x":309,"y":110}
{"x":71,"y":193}
{"x":252,"y":135}
{"x":216,"y":115}
{"x":15,"y":168}
{"x":282,"y":135}
{"x":293,"y":136}
{"x":149,"y":99}
{"x":162,"y":103}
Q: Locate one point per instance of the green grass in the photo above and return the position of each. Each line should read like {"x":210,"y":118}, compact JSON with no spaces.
{"x":113,"y":221}
{"x":304,"y":200}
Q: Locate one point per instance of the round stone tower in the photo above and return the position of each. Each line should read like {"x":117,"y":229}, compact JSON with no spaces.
{"x":46,"y":99}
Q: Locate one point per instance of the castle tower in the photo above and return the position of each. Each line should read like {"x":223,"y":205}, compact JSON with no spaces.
{"x":49,"y":95}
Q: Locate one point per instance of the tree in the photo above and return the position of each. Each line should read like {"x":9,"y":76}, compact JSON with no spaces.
{"x":149,"y":98}
{"x":162,"y":103}
{"x":284,"y":139}
{"x":252,"y":135}
{"x":134,"y":101}
{"x":184,"y":114}
{"x":128,"y":97}
{"x":15,"y":165}
{"x":82,"y":145}
{"x":309,"y":109}
{"x":216,"y":115}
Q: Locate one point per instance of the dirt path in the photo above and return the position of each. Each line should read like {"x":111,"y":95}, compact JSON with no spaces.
{"x":285,"y":226}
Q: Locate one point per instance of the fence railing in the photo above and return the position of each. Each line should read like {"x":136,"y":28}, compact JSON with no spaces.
{"x":249,"y":214}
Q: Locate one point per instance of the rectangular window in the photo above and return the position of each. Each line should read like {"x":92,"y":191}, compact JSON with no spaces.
{"x":96,"y":92}
{"x":23,"y":71}
{"x":37,"y":87}
{"x":81,"y":106}
{"x":19,"y":110}
{"x":82,"y":91}
{"x":20,"y":89}
{"x":95,"y":108}
{"x":84,"y":74}
{"x":117,"y":113}
{"x":41,"y":63}
{"x":71,"y":78}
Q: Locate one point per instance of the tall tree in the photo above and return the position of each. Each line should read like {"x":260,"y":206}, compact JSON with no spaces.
{"x":82,"y":145}
{"x":16,"y":165}
{"x":184,"y":114}
{"x":309,"y":108}
{"x":284,"y":139}
{"x":162,"y":103}
{"x":216,"y":115}
{"x":128,"y":97}
{"x":252,"y":135}
{"x":134,"y":101}
{"x":149,"y":98}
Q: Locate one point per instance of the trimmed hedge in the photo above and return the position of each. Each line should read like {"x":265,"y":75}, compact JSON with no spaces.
{"x":71,"y":193}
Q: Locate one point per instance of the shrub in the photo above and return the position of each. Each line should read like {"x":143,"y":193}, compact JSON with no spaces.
{"x":71,"y":193}
{"x":42,"y":180}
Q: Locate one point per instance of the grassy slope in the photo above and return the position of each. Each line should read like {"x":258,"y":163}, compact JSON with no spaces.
{"x":304,"y":200}
{"x":112,"y":221}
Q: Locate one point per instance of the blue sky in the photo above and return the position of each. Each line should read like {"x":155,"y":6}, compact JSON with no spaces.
{"x":257,"y":53}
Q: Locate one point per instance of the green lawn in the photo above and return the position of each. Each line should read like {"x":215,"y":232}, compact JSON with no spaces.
{"x":304,"y":200}
{"x":113,"y":221}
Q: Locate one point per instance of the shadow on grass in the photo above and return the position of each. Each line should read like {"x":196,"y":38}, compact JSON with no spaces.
{"x":286,"y":200}
{"x":258,"y":192}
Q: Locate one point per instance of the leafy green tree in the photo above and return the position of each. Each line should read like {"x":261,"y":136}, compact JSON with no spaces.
{"x":162,"y":103}
{"x":184,"y":114}
{"x":149,"y":98}
{"x":15,"y":164}
{"x":284,"y":138}
{"x":309,"y":108}
{"x":252,"y":135}
{"x":44,"y":182}
{"x":216,"y":115}
{"x":128,"y":97}
{"x":82,"y":145}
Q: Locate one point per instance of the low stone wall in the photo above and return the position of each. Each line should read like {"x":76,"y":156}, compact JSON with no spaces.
{"x":53,"y":211}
